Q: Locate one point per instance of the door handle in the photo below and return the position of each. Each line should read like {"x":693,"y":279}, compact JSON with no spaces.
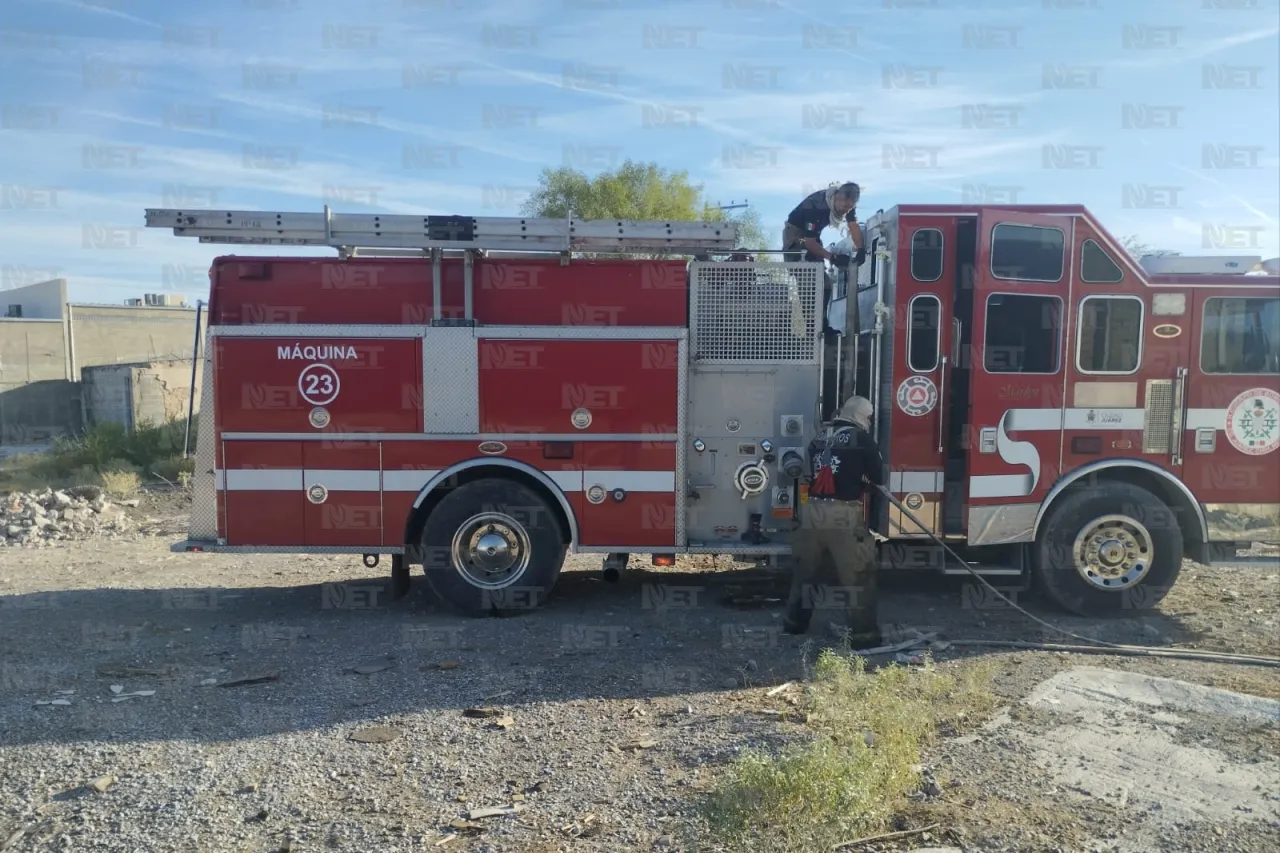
{"x":942,"y":404}
{"x":1179,"y":415}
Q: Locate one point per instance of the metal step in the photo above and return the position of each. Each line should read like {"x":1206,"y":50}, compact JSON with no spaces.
{"x":400,"y":231}
{"x":994,"y":571}
{"x":1268,"y":560}
{"x":731,"y":549}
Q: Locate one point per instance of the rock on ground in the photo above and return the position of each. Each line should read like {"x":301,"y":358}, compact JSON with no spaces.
{"x":33,"y":519}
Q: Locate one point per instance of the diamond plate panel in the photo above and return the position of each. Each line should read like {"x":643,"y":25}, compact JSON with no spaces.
{"x":1158,"y":435}
{"x":203,"y":522}
{"x":451,"y":380}
{"x":318,"y":330}
{"x":756,"y":312}
{"x":682,"y":441}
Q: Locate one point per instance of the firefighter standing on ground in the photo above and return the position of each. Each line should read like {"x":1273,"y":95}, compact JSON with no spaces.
{"x":833,"y":531}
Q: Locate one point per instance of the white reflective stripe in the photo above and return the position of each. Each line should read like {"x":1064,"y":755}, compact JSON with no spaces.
{"x":220,"y":480}
{"x":348,"y":480}
{"x":925,"y":482}
{"x":1206,"y":419}
{"x":1047,"y":420}
{"x":1001,"y":486}
{"x":1032,"y":420}
{"x":1106,"y":419}
{"x":264,"y":480}
{"x":462,"y":436}
{"x":632,"y":481}
{"x":343,"y":480}
{"x":406,"y":481}
{"x":568,"y":481}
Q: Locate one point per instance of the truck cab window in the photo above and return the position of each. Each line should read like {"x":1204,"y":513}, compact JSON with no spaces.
{"x":1109,"y":337}
{"x":1240,"y":335}
{"x":1023,"y":333}
{"x":1096,"y":266}
{"x":922,"y":335}
{"x":926,"y":254}
{"x":1026,"y":252}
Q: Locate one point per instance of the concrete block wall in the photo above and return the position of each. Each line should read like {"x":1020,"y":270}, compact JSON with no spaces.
{"x":43,"y":354}
{"x":137,"y":394}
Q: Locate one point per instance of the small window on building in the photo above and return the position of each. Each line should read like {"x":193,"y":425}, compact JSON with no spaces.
{"x":1109,"y":335}
{"x":926,"y":254}
{"x":922,"y":335}
{"x":1240,"y":335}
{"x":1097,"y":267}
{"x":1026,"y":252}
{"x":1023,"y":333}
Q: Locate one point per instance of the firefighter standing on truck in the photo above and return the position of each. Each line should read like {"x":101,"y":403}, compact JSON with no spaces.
{"x":833,"y":531}
{"x":835,"y":206}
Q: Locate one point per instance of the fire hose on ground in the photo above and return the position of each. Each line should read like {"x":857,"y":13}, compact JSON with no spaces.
{"x":1094,"y":646}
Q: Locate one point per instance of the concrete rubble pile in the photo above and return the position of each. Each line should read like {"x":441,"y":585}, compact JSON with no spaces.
{"x":36,"y":518}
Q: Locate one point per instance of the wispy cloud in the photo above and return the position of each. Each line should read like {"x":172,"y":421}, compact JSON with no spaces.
{"x":275,"y":105}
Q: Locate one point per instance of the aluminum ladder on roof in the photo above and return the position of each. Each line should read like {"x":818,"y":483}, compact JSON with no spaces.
{"x":351,"y":231}
{"x":418,"y":236}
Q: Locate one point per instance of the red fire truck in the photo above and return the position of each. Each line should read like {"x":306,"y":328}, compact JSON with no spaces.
{"x":473,"y":396}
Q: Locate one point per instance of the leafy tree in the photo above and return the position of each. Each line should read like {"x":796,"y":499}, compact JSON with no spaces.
{"x":643,"y":191}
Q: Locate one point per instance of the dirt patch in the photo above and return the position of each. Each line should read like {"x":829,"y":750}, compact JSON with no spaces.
{"x":624,"y":715}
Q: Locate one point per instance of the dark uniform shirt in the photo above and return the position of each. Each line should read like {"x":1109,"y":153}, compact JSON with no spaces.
{"x":838,"y":467}
{"x":811,"y":216}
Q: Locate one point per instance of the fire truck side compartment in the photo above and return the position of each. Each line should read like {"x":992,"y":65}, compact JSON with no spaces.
{"x":507,"y":292}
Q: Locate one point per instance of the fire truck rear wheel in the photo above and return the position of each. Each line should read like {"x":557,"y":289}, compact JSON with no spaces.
{"x":1109,"y":549}
{"x":494,"y":547}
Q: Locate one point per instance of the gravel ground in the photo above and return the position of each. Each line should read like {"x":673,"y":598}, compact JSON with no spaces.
{"x":610,"y":716}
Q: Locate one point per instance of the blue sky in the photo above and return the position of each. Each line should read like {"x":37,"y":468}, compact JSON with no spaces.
{"x":453,"y":106}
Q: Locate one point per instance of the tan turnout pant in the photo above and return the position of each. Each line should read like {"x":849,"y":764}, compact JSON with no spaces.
{"x":834,"y":575}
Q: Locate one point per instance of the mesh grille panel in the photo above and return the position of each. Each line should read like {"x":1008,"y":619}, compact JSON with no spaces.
{"x":1158,"y":435}
{"x":764,"y":312}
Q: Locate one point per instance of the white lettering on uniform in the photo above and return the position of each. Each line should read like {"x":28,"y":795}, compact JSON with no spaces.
{"x":313,"y":353}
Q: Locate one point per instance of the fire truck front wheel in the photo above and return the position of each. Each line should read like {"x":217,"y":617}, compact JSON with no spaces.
{"x":1109,"y":549}
{"x":492,"y":546}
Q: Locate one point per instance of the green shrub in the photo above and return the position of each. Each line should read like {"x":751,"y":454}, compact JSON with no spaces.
{"x":151,"y":451}
{"x":850,"y":777}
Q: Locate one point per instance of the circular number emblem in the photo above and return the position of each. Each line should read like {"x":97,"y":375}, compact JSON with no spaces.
{"x":1253,"y":422}
{"x":318,"y":384}
{"x":917,"y":395}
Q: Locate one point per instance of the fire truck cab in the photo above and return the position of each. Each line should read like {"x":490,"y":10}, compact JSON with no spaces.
{"x":1047,"y":407}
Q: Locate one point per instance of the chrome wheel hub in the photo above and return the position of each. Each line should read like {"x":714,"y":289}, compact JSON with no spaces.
{"x":1113,"y":552}
{"x":491,"y":550}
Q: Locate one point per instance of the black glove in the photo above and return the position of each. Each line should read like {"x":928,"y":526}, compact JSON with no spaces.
{"x":860,"y":258}
{"x":841,"y":261}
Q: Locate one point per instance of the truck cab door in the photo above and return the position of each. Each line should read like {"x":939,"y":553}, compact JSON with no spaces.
{"x":917,"y":374}
{"x":1022,"y":290}
{"x":1230,"y":407}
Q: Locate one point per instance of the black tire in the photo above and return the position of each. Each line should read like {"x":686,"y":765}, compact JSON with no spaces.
{"x":1136,"y":516}
{"x":518,"y":515}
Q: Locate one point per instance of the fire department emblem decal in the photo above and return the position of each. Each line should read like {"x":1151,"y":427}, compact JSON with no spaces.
{"x":1253,"y":422}
{"x":917,"y":395}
